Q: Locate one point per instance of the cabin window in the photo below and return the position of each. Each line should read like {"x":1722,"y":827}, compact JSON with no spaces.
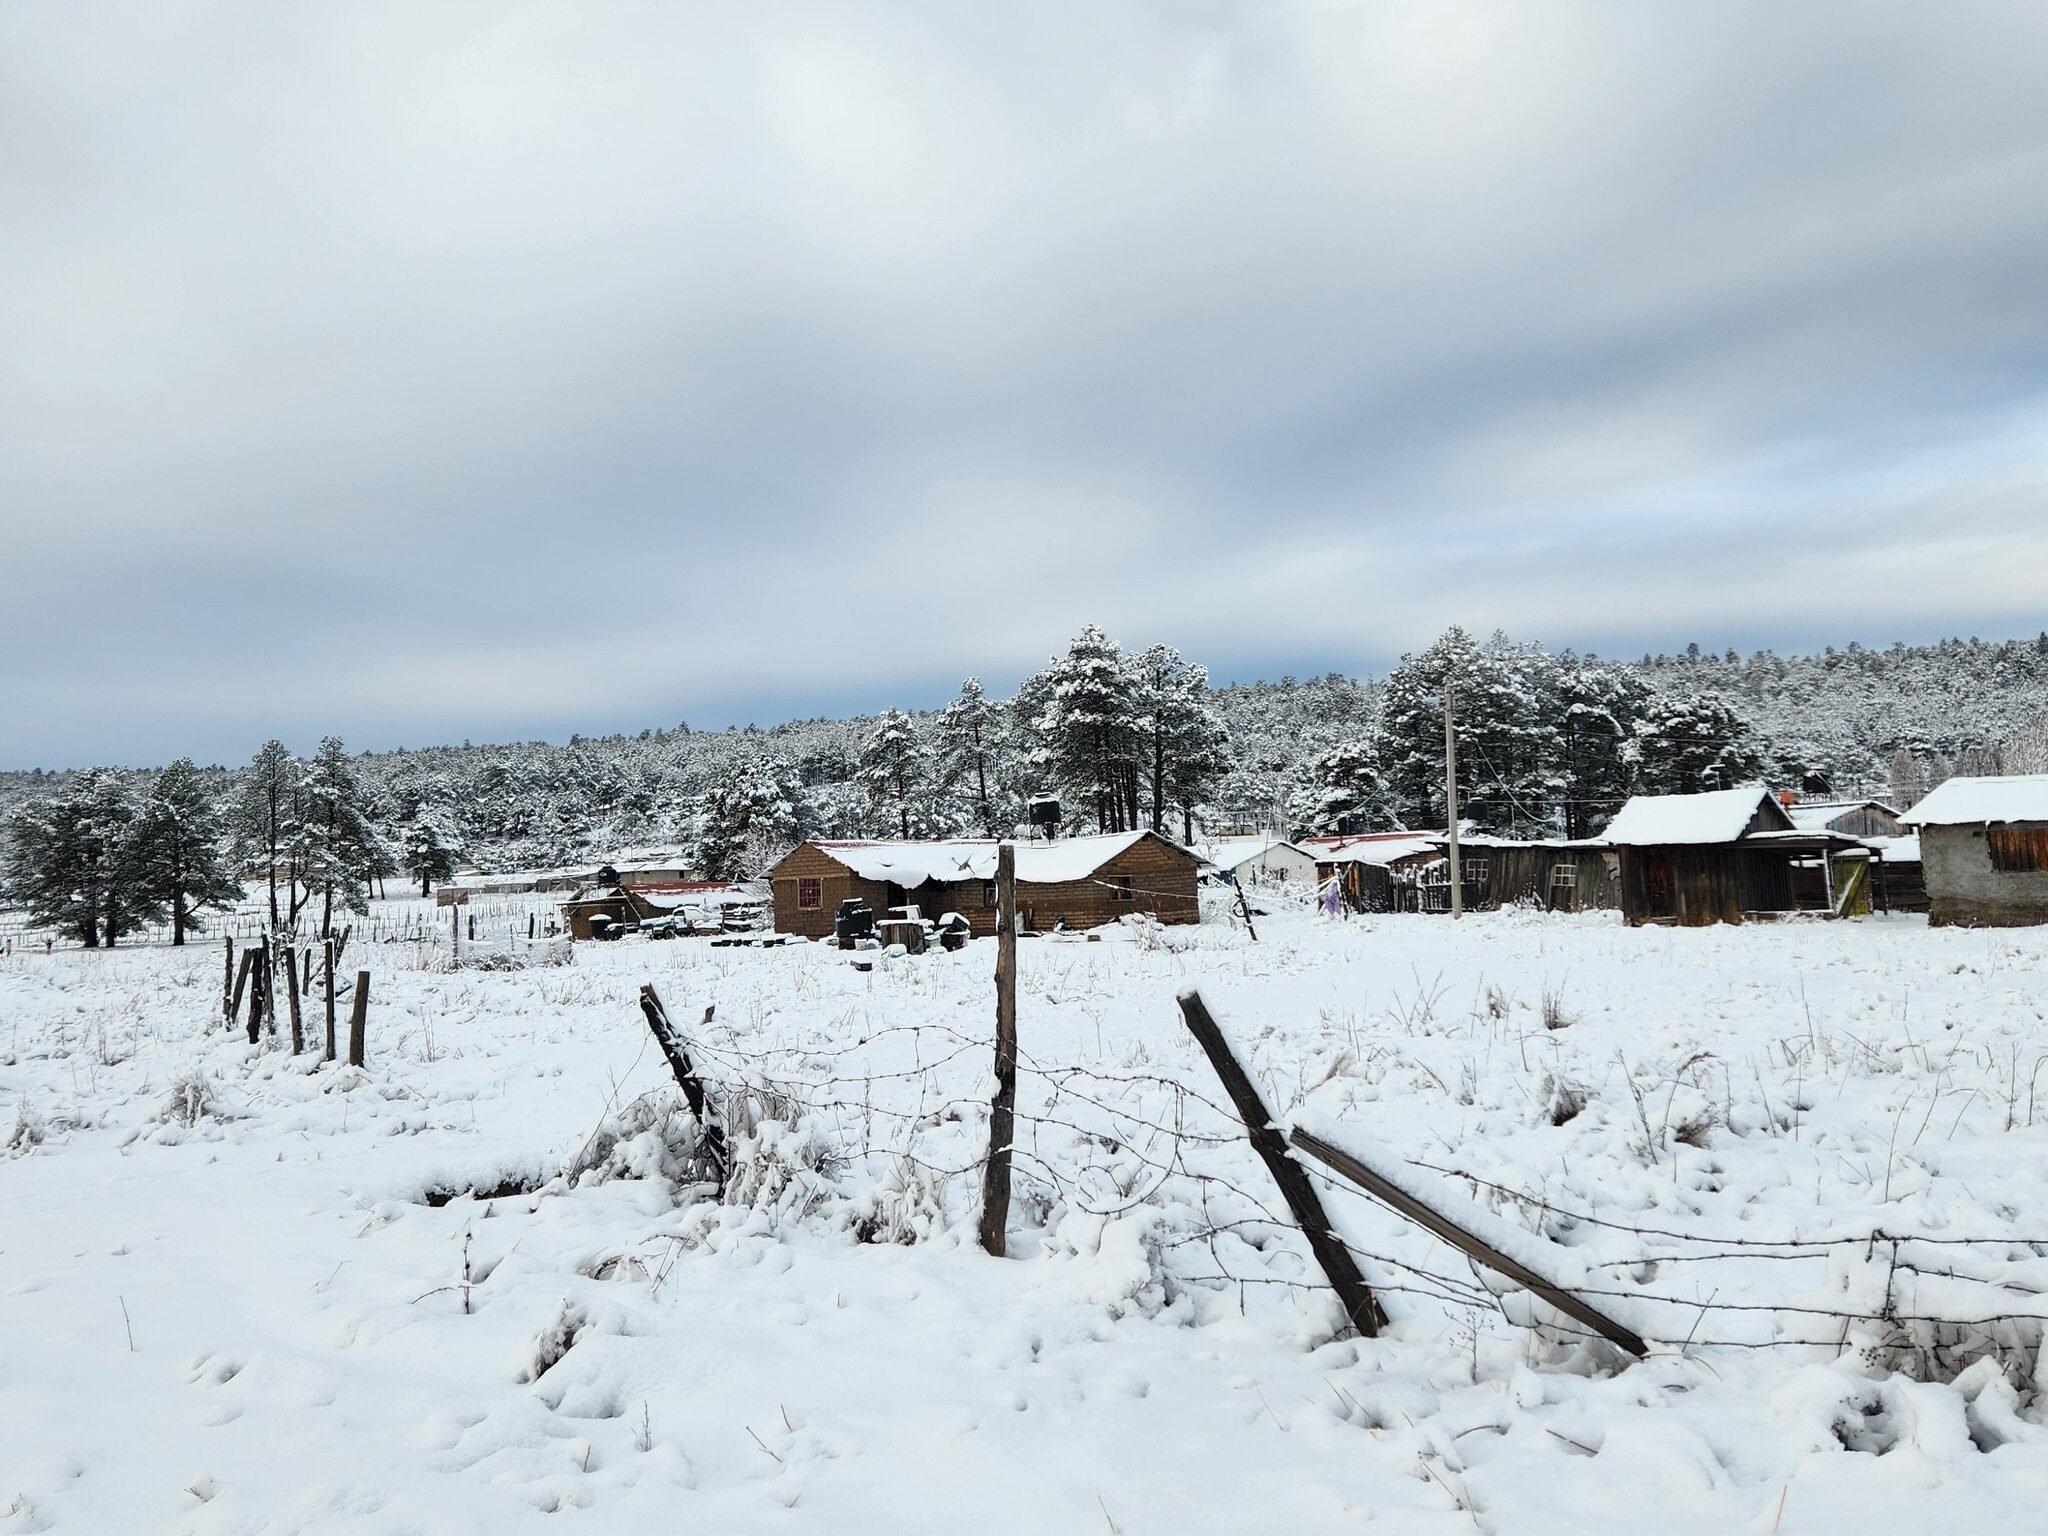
{"x":1120,"y":888}
{"x":2017,"y":850}
{"x":988,"y":895}
{"x":810,"y":893}
{"x":1564,"y":874}
{"x":1472,"y":871}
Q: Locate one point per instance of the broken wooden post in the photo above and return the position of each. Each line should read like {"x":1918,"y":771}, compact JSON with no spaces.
{"x":1002,"y":1110}
{"x":711,"y":1137}
{"x":1466,"y":1242}
{"x":291,"y":994}
{"x":358,"y":1019}
{"x":327,"y":982}
{"x":1360,"y":1305}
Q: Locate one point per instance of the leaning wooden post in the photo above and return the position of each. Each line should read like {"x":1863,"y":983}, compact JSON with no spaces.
{"x":1002,"y":1110}
{"x":1244,"y":906}
{"x":711,"y":1135}
{"x":327,"y":977}
{"x":1455,"y":1233}
{"x":358,"y":1019}
{"x":291,"y":995}
{"x":1360,"y":1305}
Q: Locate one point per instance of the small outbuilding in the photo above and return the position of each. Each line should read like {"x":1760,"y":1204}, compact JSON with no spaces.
{"x":611,"y":909}
{"x":1261,"y":861}
{"x":1374,"y":871}
{"x":1858,"y":818}
{"x":1557,"y":875}
{"x":1984,"y":851}
{"x":1725,"y":856}
{"x":1075,"y":882}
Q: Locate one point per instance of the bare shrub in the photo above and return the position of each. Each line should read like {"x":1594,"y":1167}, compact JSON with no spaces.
{"x":1555,"y":1014}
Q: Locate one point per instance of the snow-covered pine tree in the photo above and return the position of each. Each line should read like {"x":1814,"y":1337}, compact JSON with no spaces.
{"x":969,"y":739}
{"x":336,"y":845}
{"x":1090,"y":729}
{"x":1686,"y":742}
{"x":427,"y":849}
{"x":1349,"y":793}
{"x":895,"y":765}
{"x":180,"y":859}
{"x":1601,"y":707}
{"x":751,"y":812}
{"x":263,"y":824}
{"x":1184,"y":746}
{"x":1411,"y":736}
{"x":71,"y":859}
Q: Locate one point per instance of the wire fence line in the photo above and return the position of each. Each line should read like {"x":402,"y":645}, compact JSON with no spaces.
{"x":1111,"y":1141}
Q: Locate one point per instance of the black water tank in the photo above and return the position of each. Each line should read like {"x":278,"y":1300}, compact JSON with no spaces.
{"x":1045,"y":813}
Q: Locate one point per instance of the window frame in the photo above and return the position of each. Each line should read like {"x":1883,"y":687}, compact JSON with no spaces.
{"x":810,"y":893}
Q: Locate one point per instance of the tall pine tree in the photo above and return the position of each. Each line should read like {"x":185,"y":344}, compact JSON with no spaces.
{"x":180,"y":863}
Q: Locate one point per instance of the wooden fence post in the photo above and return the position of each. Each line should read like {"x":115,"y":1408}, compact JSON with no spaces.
{"x":256,"y":958}
{"x":227,"y":983}
{"x":241,"y":980}
{"x":1468,"y":1243}
{"x":358,"y":1019}
{"x":327,"y":969}
{"x":1244,"y":906}
{"x":270,"y":948}
{"x":711,"y":1134}
{"x":1360,"y":1305}
{"x":291,"y":994}
{"x":1002,"y":1110}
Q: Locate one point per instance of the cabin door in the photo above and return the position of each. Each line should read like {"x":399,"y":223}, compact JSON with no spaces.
{"x":1657,"y":883}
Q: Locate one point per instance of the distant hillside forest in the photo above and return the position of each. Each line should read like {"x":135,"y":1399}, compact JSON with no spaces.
{"x":1550,"y":743}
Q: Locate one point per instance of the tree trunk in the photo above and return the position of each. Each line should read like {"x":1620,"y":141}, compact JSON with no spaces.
{"x":423,"y":884}
{"x":178,"y":914}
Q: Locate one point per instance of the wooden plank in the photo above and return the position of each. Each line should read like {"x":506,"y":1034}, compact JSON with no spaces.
{"x":1360,"y":1305}
{"x":1340,"y":1161}
{"x":1002,"y":1110}
{"x":327,"y":979}
{"x":358,"y":1019}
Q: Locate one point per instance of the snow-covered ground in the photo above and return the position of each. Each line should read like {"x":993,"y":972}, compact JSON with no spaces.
{"x":233,"y":1298}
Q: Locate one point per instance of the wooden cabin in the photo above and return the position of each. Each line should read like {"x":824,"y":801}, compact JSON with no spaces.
{"x":1726,"y":856}
{"x":1984,"y":851}
{"x":1857,"y":818}
{"x":1076,"y":882}
{"x":1557,"y":875}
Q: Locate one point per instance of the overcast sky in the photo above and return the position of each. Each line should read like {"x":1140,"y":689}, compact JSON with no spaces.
{"x":436,"y":371}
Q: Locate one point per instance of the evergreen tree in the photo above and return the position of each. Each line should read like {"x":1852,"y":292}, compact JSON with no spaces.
{"x":753,"y":811}
{"x":1349,"y":794}
{"x":427,"y":850}
{"x":335,"y":846}
{"x":1601,"y":707}
{"x":968,"y":740}
{"x":1090,"y":729}
{"x":895,"y":766}
{"x":1184,"y":745}
{"x":265,"y":825}
{"x":71,"y":859}
{"x":1689,"y":742}
{"x":179,"y":861}
{"x":1412,"y":728}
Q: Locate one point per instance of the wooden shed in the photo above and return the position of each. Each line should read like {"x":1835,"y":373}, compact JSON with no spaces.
{"x":1557,"y":875}
{"x":1725,"y":856}
{"x":1984,"y":851}
{"x":620,"y":904}
{"x":1374,"y":871}
{"x":1078,"y":882}
{"x":1261,"y":861}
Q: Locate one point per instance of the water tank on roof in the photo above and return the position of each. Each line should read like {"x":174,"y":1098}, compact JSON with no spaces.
{"x":1045,"y":814}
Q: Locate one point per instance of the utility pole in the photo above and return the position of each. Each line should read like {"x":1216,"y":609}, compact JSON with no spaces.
{"x":1451,"y":801}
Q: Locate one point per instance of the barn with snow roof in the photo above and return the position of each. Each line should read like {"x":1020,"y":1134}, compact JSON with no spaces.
{"x":1078,"y":882}
{"x":1984,"y":851}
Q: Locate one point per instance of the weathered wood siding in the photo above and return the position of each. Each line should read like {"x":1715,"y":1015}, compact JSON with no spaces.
{"x":1966,"y":885}
{"x":1697,"y":884}
{"x":837,"y":883}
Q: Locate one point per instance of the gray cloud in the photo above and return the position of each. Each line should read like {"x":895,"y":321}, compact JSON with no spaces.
{"x":422,"y":373}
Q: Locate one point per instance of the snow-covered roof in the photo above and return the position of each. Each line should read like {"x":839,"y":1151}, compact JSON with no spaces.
{"x":1814,"y":815}
{"x":1375,"y":850}
{"x":1236,"y":852}
{"x":1717,"y":816}
{"x":1975,"y":802}
{"x":912,"y":864}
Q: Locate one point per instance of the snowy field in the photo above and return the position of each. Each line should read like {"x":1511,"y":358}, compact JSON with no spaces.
{"x":474,"y":1287}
